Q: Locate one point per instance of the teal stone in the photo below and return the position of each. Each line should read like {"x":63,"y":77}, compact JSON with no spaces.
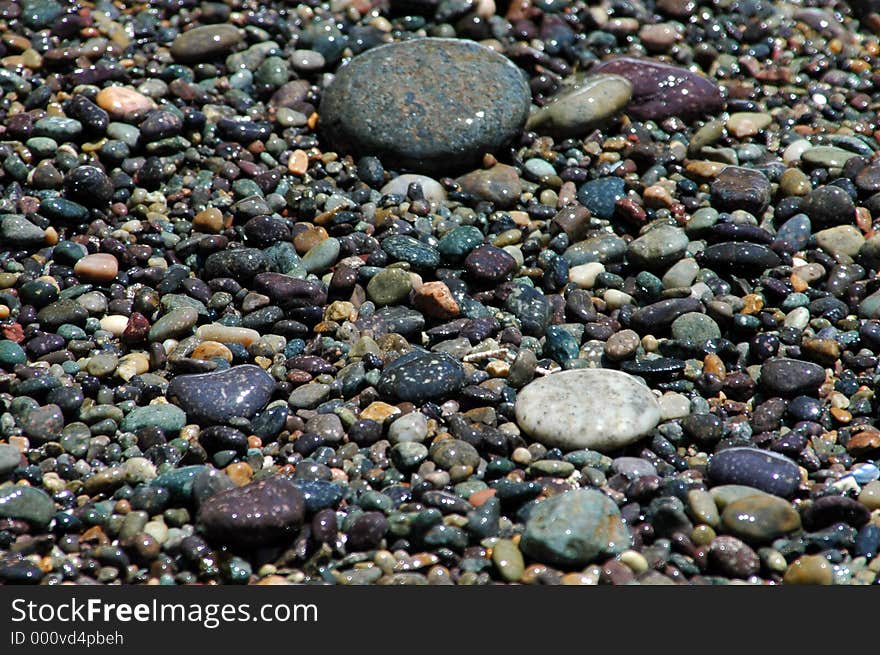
{"x":58,"y":128}
{"x":574,"y":528}
{"x":179,"y":482}
{"x":169,"y":418}
{"x":11,"y":354}
{"x":42,"y":146}
{"x":609,"y":248}
{"x":457,"y":244}
{"x":282,"y":258}
{"x":68,"y":331}
{"x":560,"y":345}
{"x":406,"y":249}
{"x":600,"y":196}
{"x":26,"y":504}
{"x":68,"y":252}
{"x":61,"y":312}
{"x":38,"y":293}
{"x":38,"y":14}
{"x":695,"y":327}
{"x":322,"y":255}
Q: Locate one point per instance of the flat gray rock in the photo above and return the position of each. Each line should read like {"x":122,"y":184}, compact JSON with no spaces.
{"x":600,"y":409}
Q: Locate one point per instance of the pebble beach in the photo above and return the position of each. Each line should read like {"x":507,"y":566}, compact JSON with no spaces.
{"x":439,"y":292}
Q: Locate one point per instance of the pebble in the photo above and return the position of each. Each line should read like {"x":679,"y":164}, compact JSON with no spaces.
{"x":218,"y":396}
{"x":752,"y":467}
{"x":809,"y":570}
{"x":790,"y":377}
{"x":586,"y":105}
{"x":26,"y":504}
{"x":260,"y":513}
{"x":417,"y":377}
{"x":583,"y":409}
{"x":205,"y":43}
{"x":760,"y":518}
{"x":660,"y":90}
{"x":573,"y":529}
{"x":383,"y":103}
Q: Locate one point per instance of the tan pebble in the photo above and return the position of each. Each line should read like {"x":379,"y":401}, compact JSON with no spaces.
{"x":100,"y":267}
{"x":115,"y":324}
{"x":122,"y":102}
{"x":4,"y":312}
{"x":133,"y":364}
{"x":273,"y":580}
{"x":51,"y":236}
{"x":809,"y":570}
{"x":209,"y":220}
{"x":753,"y":303}
{"x":340,"y":310}
{"x":498,"y":368}
{"x":298,"y":163}
{"x":226,"y":334}
{"x":579,"y":579}
{"x":379,"y":411}
{"x":634,"y":560}
{"x":210,"y":349}
{"x":870,"y":495}
{"x":240,"y":472}
{"x":712,"y":363}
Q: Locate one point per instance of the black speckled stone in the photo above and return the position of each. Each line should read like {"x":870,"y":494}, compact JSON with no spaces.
{"x":427,"y":104}
{"x":218,"y":396}
{"x":769,"y":472}
{"x":264,"y":512}
{"x":420,"y":376}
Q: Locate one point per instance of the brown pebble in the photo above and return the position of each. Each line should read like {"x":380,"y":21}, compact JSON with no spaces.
{"x":100,"y":267}
{"x":208,"y":220}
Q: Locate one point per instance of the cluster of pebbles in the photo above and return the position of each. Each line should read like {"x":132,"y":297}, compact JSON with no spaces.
{"x":439,"y":292}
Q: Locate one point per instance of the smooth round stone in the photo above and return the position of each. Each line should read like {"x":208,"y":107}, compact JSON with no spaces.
{"x":169,"y":418}
{"x":767,"y":471}
{"x":827,"y":156}
{"x":205,"y":43}
{"x":794,"y":234}
{"x":43,"y":423}
{"x":701,"y":507}
{"x":582,"y":108}
{"x":427,"y":104}
{"x":99,"y":267}
{"x":598,"y":409}
{"x":89,"y":185}
{"x":458,"y":243}
{"x":259,"y":513}
{"x":870,"y":495}
{"x":760,"y":518}
{"x":791,"y":377}
{"x":600,"y":197}
{"x":809,"y":570}
{"x":123,"y":103}
{"x":828,"y":205}
{"x":584,"y":275}
{"x":660,"y":90}
{"x":240,"y":264}
{"x":26,"y":504}
{"x":389,"y":286}
{"x":10,"y":458}
{"x":322,"y":255}
{"x":431,"y":188}
{"x":574,"y":528}
{"x":695,"y":327}
{"x":489,"y":264}
{"x":419,"y":376}
{"x":830,"y":510}
{"x":218,"y":396}
{"x":659,"y":247}
{"x":409,"y":427}
{"x":11,"y":354}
